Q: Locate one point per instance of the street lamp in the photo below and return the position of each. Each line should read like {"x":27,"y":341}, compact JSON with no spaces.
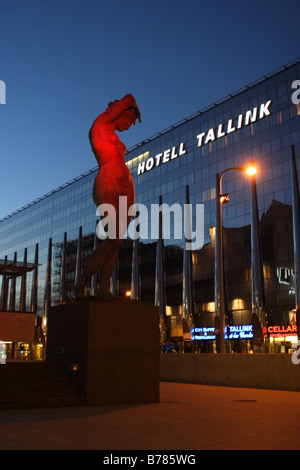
{"x":219,"y":255}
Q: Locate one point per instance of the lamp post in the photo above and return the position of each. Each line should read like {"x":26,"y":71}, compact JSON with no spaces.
{"x":219,"y":255}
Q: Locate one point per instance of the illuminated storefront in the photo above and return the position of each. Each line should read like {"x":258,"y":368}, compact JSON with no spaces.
{"x":258,"y":123}
{"x":282,"y":338}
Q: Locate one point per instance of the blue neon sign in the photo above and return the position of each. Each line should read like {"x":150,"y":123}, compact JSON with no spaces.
{"x":203,"y":333}
{"x":231,"y":332}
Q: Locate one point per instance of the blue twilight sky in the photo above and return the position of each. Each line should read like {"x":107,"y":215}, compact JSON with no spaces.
{"x":63,"y":60}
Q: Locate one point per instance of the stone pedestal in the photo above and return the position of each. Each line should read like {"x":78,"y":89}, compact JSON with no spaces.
{"x":110,"y":347}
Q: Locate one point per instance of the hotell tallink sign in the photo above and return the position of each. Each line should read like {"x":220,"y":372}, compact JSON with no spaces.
{"x":204,"y":138}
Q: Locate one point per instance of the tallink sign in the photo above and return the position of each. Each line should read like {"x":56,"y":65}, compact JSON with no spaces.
{"x":207,"y":136}
{"x":231,"y":332}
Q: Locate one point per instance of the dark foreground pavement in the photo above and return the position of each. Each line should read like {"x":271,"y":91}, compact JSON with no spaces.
{"x":188,"y":417}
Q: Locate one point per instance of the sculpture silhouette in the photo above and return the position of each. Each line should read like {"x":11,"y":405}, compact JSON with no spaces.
{"x":112,"y":181}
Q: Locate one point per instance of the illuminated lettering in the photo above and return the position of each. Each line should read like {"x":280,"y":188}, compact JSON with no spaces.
{"x":182,"y":150}
{"x":240,"y":121}
{"x":204,"y":138}
{"x":166,"y":156}
{"x":264,"y":110}
{"x":233,"y":332}
{"x":285,"y":275}
{"x":174,"y":154}
{"x":220,"y":133}
{"x":141,"y":168}
{"x":230,"y":127}
{"x":277,"y":330}
{"x":160,"y":158}
{"x":250,"y":116}
{"x":149,"y":163}
{"x":200,"y":138}
{"x":239,"y":332}
{"x":200,"y":334}
{"x":210,"y":136}
{"x":157,"y":158}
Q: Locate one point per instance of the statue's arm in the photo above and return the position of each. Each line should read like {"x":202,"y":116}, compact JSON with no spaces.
{"x":118,"y":107}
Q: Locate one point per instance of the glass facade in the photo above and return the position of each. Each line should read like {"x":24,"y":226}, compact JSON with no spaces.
{"x":259,"y":123}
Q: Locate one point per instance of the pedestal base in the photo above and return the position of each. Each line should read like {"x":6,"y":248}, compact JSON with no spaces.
{"x":110,"y":345}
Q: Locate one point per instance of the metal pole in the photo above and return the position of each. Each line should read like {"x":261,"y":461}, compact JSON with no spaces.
{"x":296,"y":233}
{"x":47,"y":298}
{"x":135,"y":280}
{"x":258,"y":298}
{"x":187,"y":279}
{"x":4,"y":291}
{"x":34,"y":287}
{"x":95,"y":275}
{"x":23,"y":287}
{"x":13,"y":289}
{"x":159,"y":274}
{"x":78,"y":257}
{"x":219,"y":269}
{"x":62,"y":285}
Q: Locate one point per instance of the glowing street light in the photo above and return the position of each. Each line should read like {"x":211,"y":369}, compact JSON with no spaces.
{"x":251,"y":170}
{"x":219,"y":255}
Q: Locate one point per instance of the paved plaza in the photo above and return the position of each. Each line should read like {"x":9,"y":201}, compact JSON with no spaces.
{"x":188,"y":417}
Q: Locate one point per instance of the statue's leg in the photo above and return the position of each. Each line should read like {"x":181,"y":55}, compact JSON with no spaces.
{"x":103,"y":259}
{"x":111,"y":252}
{"x":105,"y":256}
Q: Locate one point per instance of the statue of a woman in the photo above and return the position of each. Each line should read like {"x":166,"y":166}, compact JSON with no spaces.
{"x":112,"y":181}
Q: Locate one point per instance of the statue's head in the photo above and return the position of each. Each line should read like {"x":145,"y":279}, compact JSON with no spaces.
{"x":127,"y":118}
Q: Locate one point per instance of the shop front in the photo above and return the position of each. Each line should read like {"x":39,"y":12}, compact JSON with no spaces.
{"x":17,"y":336}
{"x":241,"y":339}
{"x":281,"y":338}
{"x":238,"y":339}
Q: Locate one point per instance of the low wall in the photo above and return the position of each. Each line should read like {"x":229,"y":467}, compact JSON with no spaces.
{"x":17,"y":327}
{"x":270,"y":371}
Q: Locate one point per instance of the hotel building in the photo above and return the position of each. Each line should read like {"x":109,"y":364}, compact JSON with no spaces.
{"x":242,"y":266}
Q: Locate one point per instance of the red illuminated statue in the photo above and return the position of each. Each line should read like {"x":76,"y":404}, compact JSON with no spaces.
{"x":112,"y":181}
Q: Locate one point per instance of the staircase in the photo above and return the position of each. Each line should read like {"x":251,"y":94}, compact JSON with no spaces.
{"x":35,"y":385}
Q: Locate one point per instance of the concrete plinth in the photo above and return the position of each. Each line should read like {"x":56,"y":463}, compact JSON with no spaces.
{"x":110,"y":347}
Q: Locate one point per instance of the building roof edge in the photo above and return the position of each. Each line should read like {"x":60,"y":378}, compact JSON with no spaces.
{"x":171,"y":127}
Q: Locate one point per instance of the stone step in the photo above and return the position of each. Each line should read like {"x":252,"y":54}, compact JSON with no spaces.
{"x":44,"y":402}
{"x":36,"y":392}
{"x":15,"y":383}
{"x":28,"y":370}
{"x":35,"y":385}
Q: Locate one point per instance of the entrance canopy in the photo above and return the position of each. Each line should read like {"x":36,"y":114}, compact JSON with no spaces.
{"x":14,"y":269}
